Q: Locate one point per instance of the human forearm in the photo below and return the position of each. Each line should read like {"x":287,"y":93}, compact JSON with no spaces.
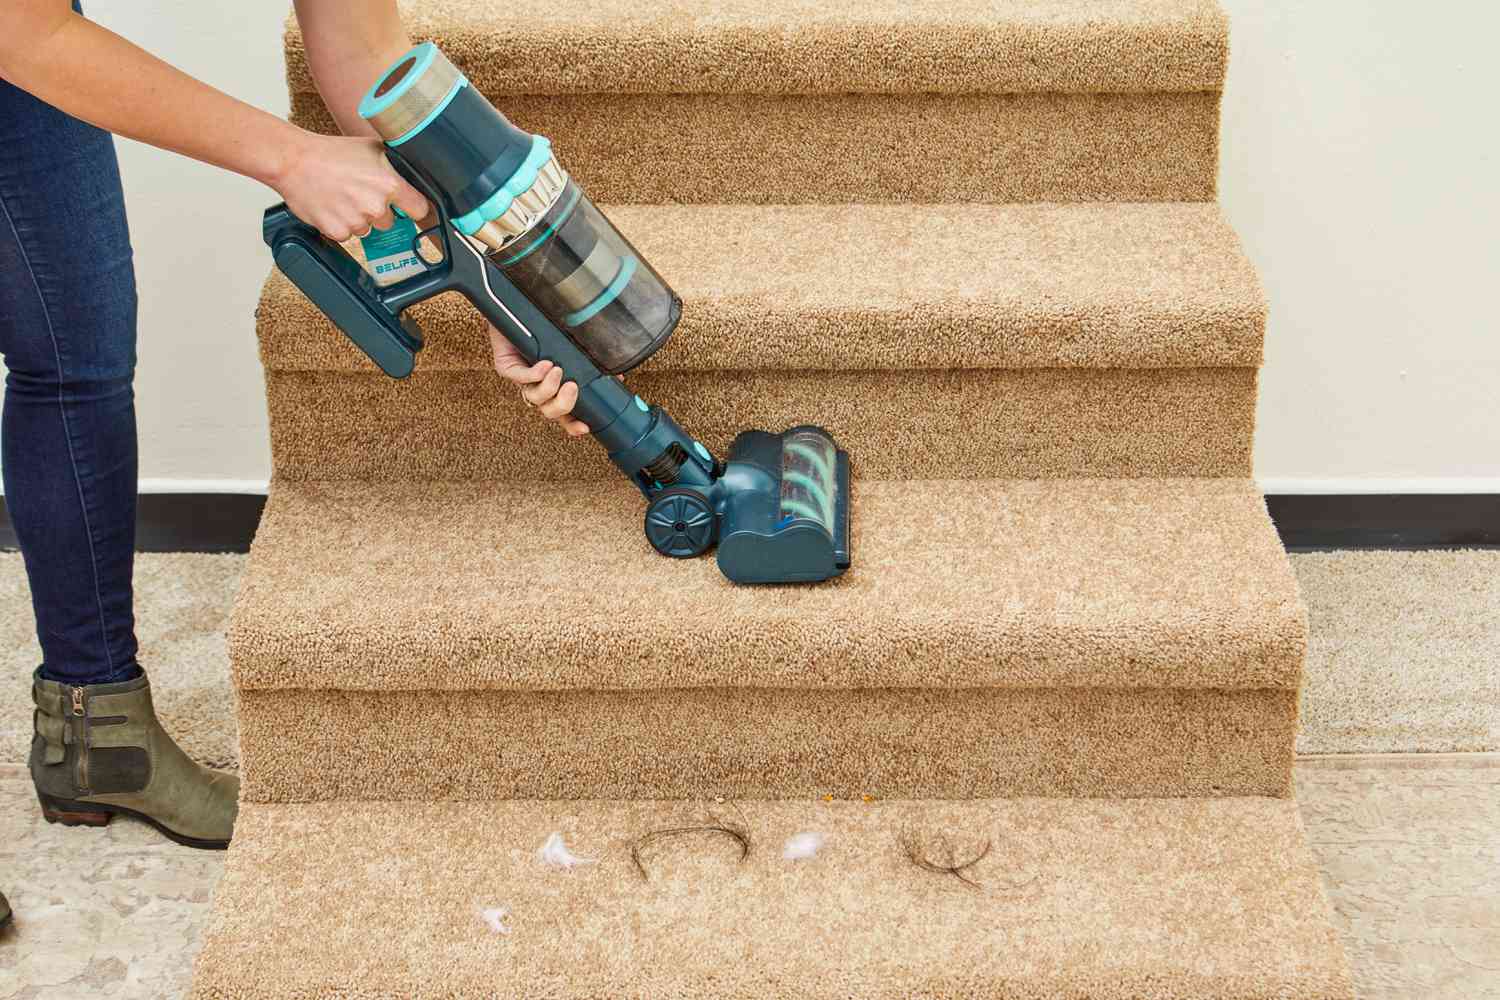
{"x":349,"y":44}
{"x":343,"y":186}
{"x":94,"y":74}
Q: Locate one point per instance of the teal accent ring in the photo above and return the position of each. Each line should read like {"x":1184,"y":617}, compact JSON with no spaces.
{"x":562,"y":217}
{"x":498,"y":203}
{"x":588,"y":312}
{"x":370,"y":105}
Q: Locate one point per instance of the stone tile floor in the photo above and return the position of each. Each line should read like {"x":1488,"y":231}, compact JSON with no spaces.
{"x":1410,"y":850}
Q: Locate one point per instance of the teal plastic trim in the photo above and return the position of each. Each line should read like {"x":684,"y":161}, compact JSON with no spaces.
{"x":702,"y":451}
{"x":588,"y":312}
{"x":442,"y":106}
{"x":498,"y":203}
{"x":567,"y":213}
{"x":640,"y":404}
{"x":370,"y":105}
{"x":796,"y":508}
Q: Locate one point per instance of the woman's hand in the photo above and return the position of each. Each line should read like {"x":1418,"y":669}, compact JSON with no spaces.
{"x":344,"y":186}
{"x":541,"y":385}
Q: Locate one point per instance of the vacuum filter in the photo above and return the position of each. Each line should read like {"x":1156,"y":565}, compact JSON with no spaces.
{"x":509,"y":194}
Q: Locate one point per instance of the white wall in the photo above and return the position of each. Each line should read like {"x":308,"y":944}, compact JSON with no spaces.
{"x":1358,"y":163}
{"x":199,"y":259}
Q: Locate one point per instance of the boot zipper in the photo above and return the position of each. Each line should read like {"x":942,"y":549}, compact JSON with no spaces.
{"x":81,"y":724}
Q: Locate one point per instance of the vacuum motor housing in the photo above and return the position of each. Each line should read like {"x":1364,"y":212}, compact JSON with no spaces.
{"x":506,"y":190}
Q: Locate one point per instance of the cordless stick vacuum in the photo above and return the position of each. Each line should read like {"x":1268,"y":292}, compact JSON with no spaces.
{"x":523,"y":243}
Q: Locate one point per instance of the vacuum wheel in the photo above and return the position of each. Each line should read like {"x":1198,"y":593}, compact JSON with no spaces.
{"x":680,"y":523}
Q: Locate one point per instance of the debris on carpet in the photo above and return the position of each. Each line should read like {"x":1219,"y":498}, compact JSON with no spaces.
{"x":554,"y":853}
{"x":496,"y":918}
{"x":736,"y":831}
{"x":936,"y":854}
{"x":802,"y":846}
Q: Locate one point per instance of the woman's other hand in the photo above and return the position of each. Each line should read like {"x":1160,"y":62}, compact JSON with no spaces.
{"x":542,"y":385}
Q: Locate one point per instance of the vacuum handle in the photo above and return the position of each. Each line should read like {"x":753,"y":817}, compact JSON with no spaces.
{"x":344,"y":292}
{"x":372,"y":316}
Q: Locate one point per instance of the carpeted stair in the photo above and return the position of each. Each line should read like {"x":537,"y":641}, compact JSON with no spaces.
{"x":976,"y":241}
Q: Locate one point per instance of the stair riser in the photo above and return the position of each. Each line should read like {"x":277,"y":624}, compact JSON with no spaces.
{"x":784,"y":149}
{"x":765,"y":743}
{"x":1003,"y":423}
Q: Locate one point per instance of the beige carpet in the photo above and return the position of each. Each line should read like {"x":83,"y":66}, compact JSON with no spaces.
{"x":749,"y":46}
{"x":1406,"y":846}
{"x":1068,"y":286}
{"x":682,"y":101}
{"x":1127,"y":423}
{"x":1404,"y":650}
{"x":1098,"y":340}
{"x":1077,"y":898}
{"x":1151,"y":625}
{"x":1079,"y":583}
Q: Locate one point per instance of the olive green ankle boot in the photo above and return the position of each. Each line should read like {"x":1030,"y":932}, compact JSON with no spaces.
{"x":99,"y":750}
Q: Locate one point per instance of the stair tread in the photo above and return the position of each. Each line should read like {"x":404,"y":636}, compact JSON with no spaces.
{"x":893,"y":287}
{"x":1098,"y":899}
{"x":810,"y":46}
{"x":955,"y":584}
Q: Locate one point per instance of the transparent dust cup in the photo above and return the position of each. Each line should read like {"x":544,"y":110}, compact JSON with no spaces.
{"x":587,"y":279}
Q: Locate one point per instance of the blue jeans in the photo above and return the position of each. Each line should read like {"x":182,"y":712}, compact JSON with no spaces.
{"x":67,"y":433}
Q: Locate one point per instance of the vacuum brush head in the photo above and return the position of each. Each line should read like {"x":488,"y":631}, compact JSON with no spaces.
{"x":786,"y":515}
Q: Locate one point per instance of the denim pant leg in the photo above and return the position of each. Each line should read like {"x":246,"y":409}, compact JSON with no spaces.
{"x":67,"y":434}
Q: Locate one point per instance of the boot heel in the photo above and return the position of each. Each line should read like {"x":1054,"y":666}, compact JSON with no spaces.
{"x":73,"y":813}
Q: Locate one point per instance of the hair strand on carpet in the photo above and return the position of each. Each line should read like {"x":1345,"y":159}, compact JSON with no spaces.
{"x":739,"y":832}
{"x":936,"y":854}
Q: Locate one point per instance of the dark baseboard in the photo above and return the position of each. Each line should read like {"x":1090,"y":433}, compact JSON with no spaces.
{"x":1386,"y":520}
{"x":225,"y":522}
{"x":183,"y":522}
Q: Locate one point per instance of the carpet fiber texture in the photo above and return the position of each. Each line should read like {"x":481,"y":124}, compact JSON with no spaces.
{"x":1034,"y":423}
{"x":1404,"y":653}
{"x":1034,"y":584}
{"x":765,"y":743}
{"x":1424,"y":682}
{"x":1097,"y":341}
{"x":1406,"y":846}
{"x":1073,"y":637}
{"x":1101,"y":899}
{"x":996,"y":148}
{"x":797,"y":101}
{"x":806,"y":46}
